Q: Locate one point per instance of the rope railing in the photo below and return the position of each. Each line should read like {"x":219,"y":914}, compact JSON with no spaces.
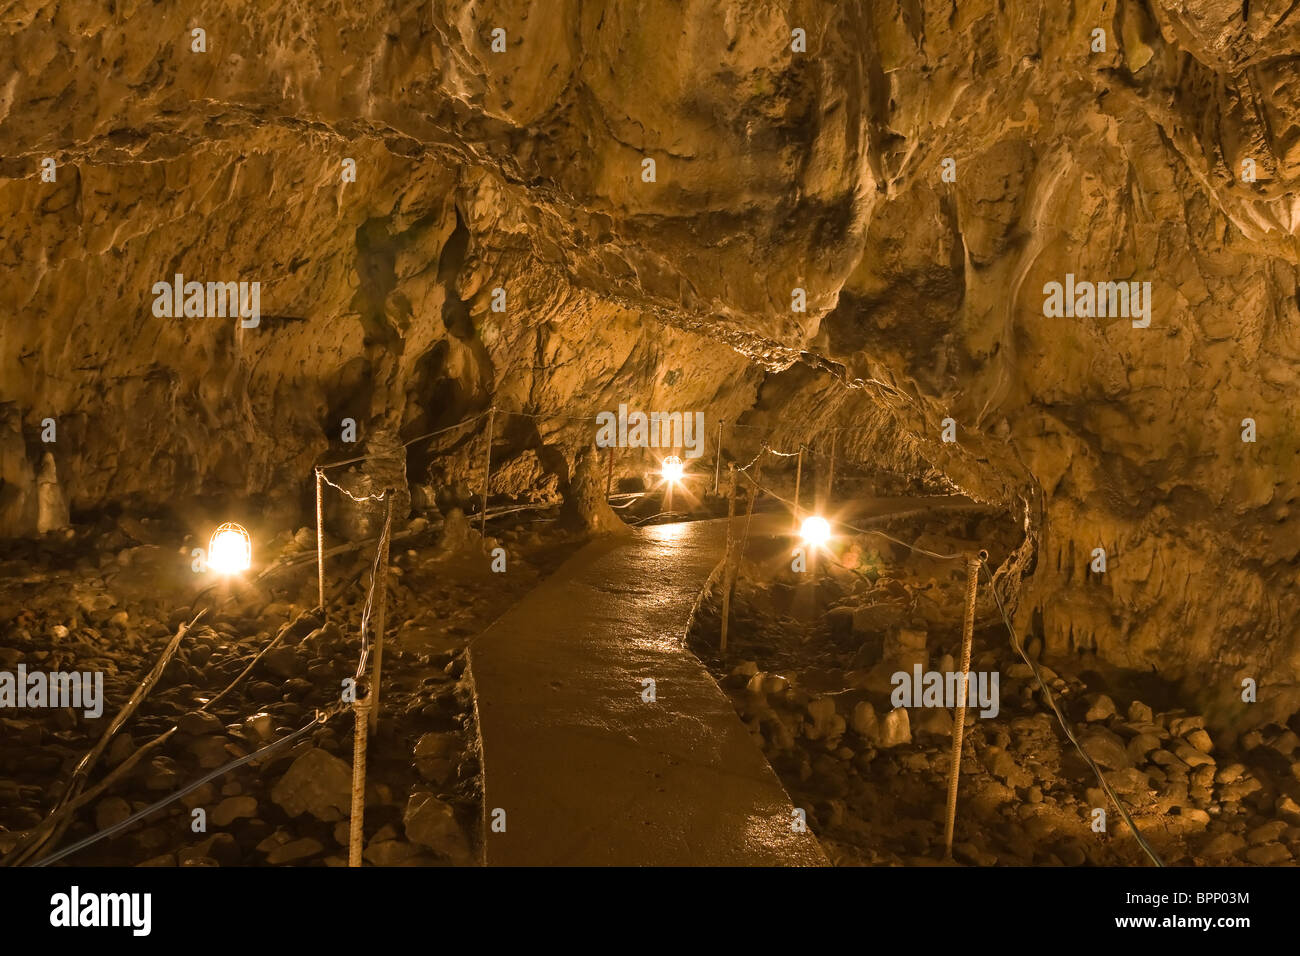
{"x":1065,"y":727}
{"x":364,"y":706}
{"x":320,"y":719}
{"x":1016,"y":645}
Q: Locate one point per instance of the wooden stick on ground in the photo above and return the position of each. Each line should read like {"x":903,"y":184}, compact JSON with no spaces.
{"x":61,"y":816}
{"x":967,"y":634}
{"x":31,"y":845}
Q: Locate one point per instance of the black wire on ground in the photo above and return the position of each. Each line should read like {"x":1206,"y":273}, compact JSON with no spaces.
{"x":1015,"y":643}
{"x":320,"y":718}
{"x":1060,"y":717}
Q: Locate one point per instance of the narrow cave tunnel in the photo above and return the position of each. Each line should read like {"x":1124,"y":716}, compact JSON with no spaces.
{"x":650,"y":434}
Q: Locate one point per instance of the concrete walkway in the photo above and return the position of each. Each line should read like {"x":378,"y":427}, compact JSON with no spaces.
{"x":588,"y":773}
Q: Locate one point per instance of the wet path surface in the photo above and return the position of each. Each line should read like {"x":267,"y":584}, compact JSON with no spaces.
{"x":586,"y":770}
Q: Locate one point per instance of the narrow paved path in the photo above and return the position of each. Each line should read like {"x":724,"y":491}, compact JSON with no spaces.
{"x":587,"y":772}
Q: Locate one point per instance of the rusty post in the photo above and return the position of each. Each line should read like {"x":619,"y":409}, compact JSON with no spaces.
{"x":360,"y":711}
{"x":320,"y":540}
{"x":381,"y":609}
{"x":726,"y":566}
{"x":958,"y":725}
{"x":717,"y":459}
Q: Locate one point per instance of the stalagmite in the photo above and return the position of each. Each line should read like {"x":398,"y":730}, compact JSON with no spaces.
{"x":53,"y":504}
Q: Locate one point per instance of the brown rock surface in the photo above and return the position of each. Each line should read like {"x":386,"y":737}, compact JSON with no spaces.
{"x":820,"y":170}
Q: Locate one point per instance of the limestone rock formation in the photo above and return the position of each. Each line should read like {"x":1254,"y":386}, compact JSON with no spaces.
{"x":919,"y":171}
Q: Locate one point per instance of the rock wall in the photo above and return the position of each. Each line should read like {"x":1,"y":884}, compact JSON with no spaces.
{"x":1119,"y":156}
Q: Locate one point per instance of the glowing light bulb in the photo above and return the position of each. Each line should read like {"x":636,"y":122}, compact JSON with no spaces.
{"x":672,"y":469}
{"x":230,"y":550}
{"x":815,"y":531}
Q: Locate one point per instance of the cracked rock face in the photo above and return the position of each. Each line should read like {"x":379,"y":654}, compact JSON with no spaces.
{"x":1167,"y":151}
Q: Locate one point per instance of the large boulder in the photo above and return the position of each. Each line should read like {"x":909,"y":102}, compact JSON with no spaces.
{"x":431,"y":822}
{"x":317,"y":783}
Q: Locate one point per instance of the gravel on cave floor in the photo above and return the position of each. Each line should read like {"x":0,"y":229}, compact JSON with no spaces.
{"x":108,"y":597}
{"x":809,"y":669}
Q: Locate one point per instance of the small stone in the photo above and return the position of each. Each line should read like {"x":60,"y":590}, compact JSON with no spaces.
{"x":232,"y":809}
{"x":1129,"y":782}
{"x":198,"y":723}
{"x":270,"y":842}
{"x":1266,"y":832}
{"x":431,"y":822}
{"x":906,"y":647}
{"x":1141,"y":745}
{"x":390,"y":852}
{"x":933,"y":722}
{"x":1182,"y":726}
{"x":1200,"y":740}
{"x":1223,"y":846}
{"x":822,"y":712}
{"x":111,"y":811}
{"x":863,"y":720}
{"x":969,"y":853}
{"x":1288,"y":808}
{"x":200,"y":797}
{"x":434,"y":756}
{"x":1105,"y":748}
{"x":1230,"y":773}
{"x":294,"y":850}
{"x":1269,"y":854}
{"x":210,"y":752}
{"x":317,"y":783}
{"x":1100,"y":707}
{"x":1004,"y":767}
{"x":1285,"y":743}
{"x":1191,"y":756}
{"x":260,"y":726}
{"x":774,"y":684}
{"x":1164,"y":758}
{"x":1140,"y":713}
{"x":263,"y":692}
{"x":895,"y":729}
{"x":283,"y":662}
{"x":1198,"y":817}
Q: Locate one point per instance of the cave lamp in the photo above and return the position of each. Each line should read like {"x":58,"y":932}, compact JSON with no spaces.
{"x":230,"y":550}
{"x":672,"y":469}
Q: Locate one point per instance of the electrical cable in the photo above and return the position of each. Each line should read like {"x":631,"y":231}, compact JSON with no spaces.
{"x":320,"y":718}
{"x":1051,"y":700}
{"x":359,"y":500}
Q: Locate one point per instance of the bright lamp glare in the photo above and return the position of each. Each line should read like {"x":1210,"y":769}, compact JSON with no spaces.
{"x":815,"y":531}
{"x":672,"y":469}
{"x":230,"y":550}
